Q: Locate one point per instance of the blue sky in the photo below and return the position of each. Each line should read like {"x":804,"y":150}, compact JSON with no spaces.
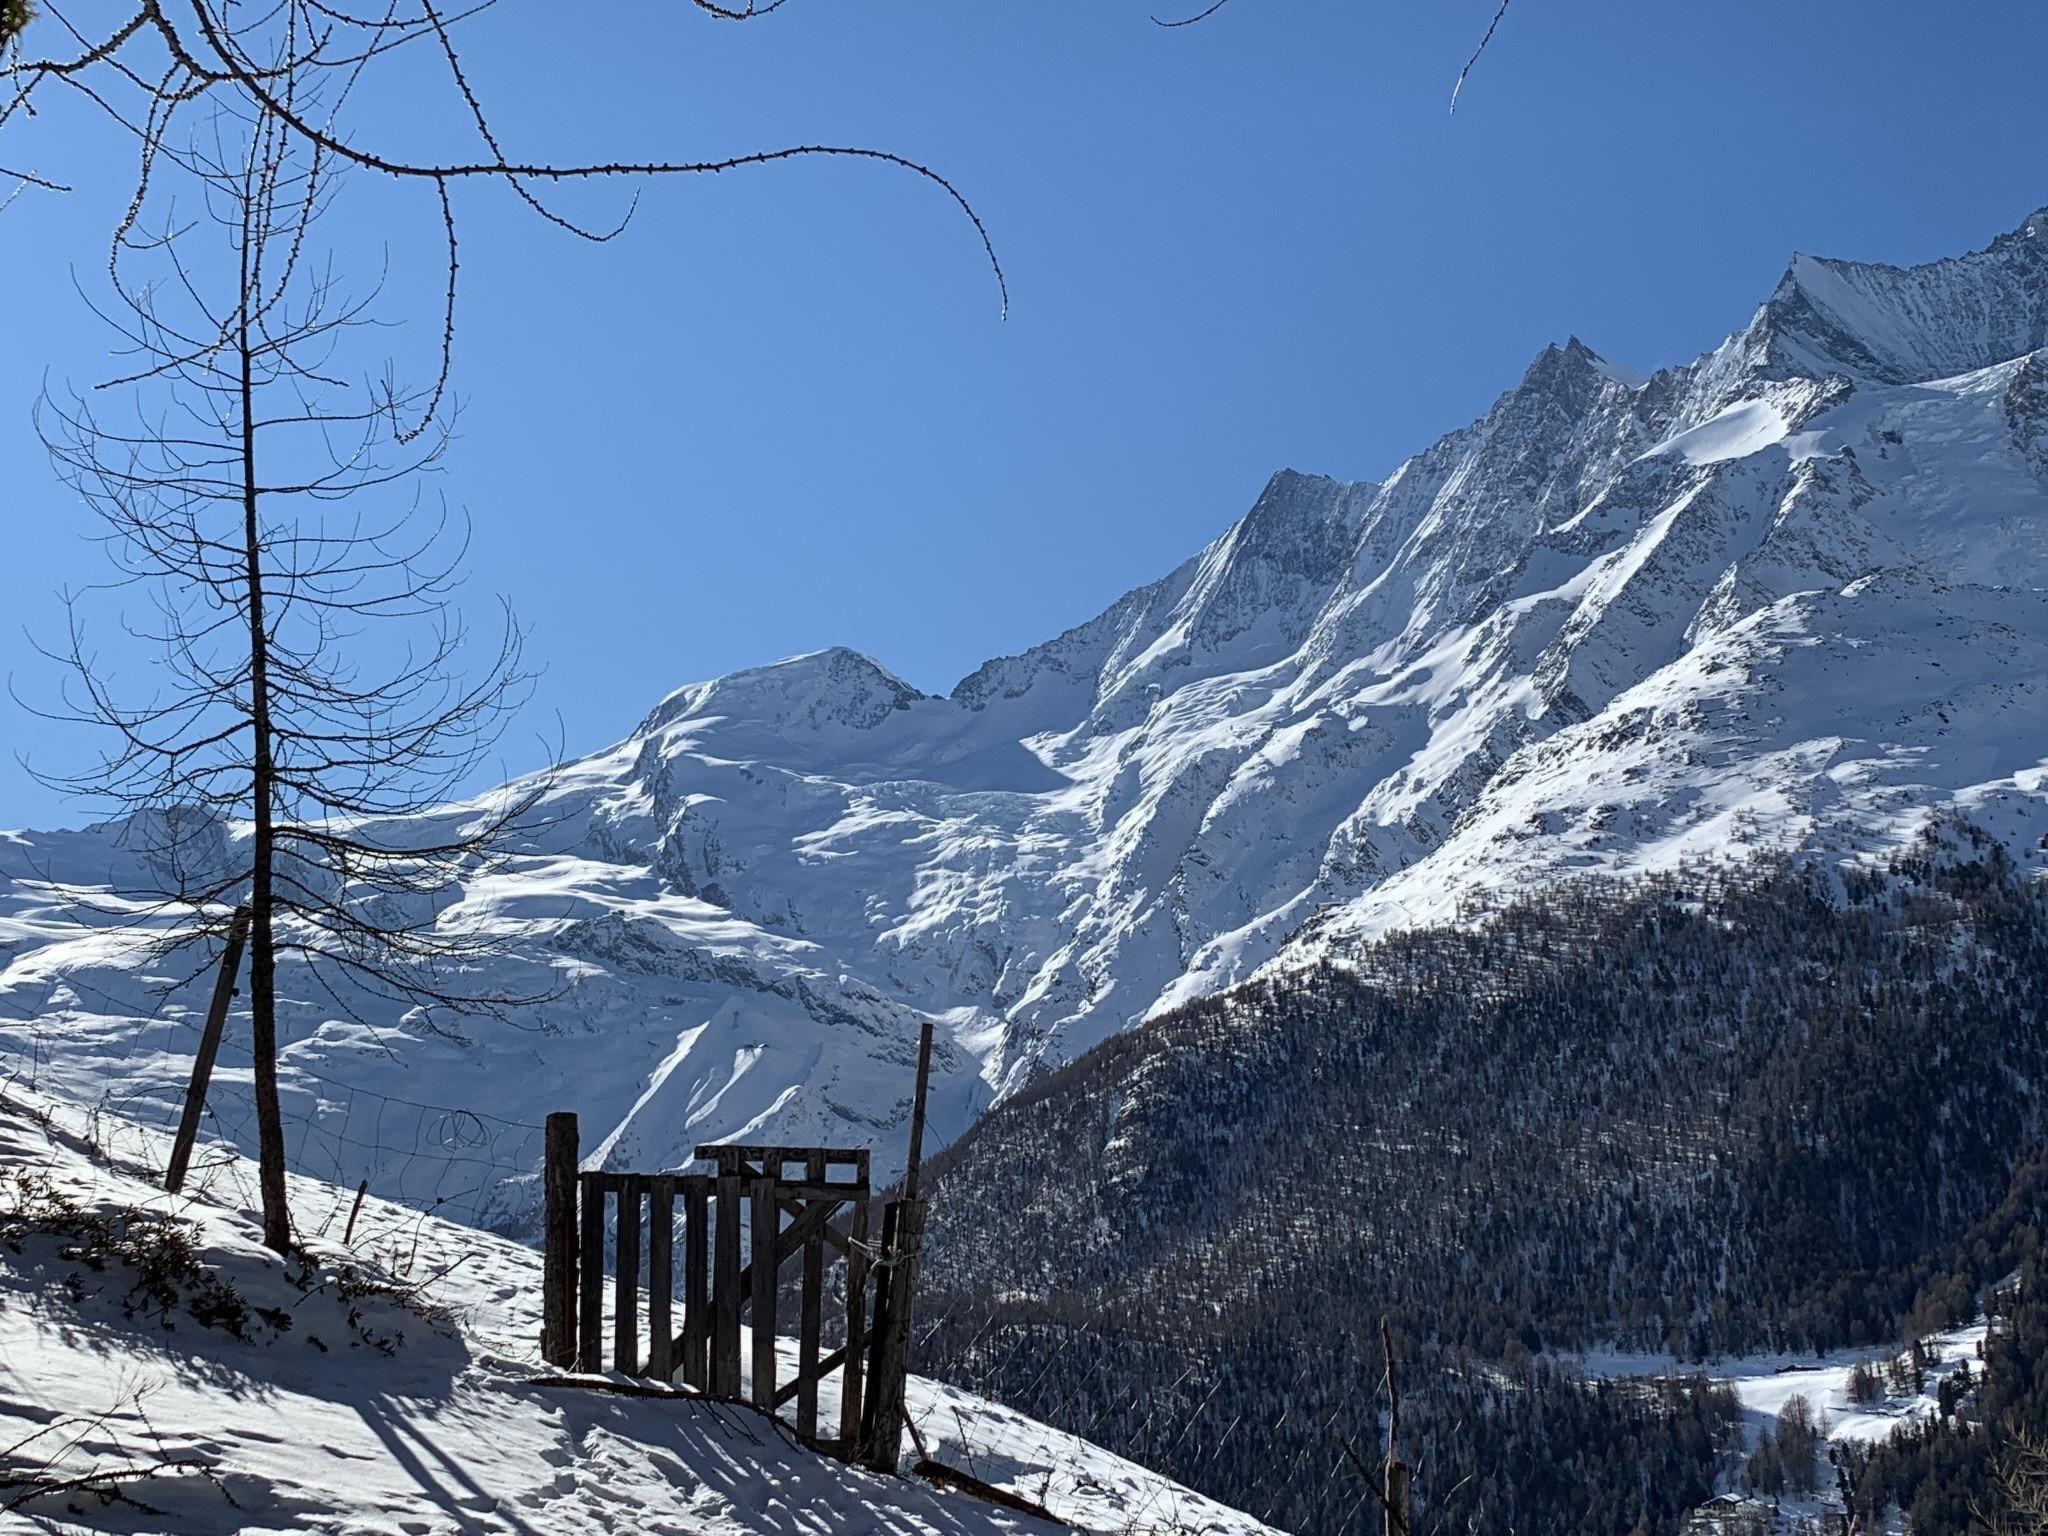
{"x":782,"y":412}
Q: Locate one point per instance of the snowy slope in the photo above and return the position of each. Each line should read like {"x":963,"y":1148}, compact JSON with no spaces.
{"x":344,"y":1412}
{"x":1791,"y":592}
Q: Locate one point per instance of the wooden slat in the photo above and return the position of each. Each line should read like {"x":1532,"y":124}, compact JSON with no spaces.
{"x":696,"y":1339}
{"x":812,"y":1318}
{"x":626,"y":1283}
{"x":725,"y":1299}
{"x":661,"y":1278}
{"x":590,"y":1293}
{"x":761,"y":1314}
{"x":856,"y":1328}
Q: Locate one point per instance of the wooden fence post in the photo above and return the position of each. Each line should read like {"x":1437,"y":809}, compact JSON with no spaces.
{"x":889,"y":1365}
{"x":558,"y":1243}
{"x":209,"y":1048}
{"x":902,"y":1238}
{"x":590,"y":1300}
{"x":761,"y":1320}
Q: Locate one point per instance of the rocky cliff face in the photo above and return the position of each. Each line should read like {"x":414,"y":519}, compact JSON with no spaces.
{"x":1790,"y":593}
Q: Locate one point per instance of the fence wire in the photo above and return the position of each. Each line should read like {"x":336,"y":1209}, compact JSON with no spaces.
{"x":454,"y":1161}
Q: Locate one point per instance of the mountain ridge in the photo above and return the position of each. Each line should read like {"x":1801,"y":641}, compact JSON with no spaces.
{"x":1788,"y":594}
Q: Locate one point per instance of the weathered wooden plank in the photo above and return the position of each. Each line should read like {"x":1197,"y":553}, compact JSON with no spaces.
{"x":819,"y":1189}
{"x":626,"y":1282}
{"x":725,"y":1300}
{"x":723,"y":1152}
{"x":942,"y":1476}
{"x":590,"y":1297}
{"x":811,"y":1321}
{"x":209,"y":1048}
{"x":856,"y":1327}
{"x":696,"y":1339}
{"x":559,"y":1240}
{"x":661,"y":1278}
{"x":761,"y":1314}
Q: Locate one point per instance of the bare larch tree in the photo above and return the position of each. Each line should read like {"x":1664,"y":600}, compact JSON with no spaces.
{"x":317,"y":696}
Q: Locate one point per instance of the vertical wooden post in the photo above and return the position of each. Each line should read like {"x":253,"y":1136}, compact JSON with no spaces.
{"x":626,"y":1282}
{"x":1397,"y":1498}
{"x":902,"y":1238}
{"x":924,"y":1078}
{"x":725,"y":1301}
{"x":209,"y":1048}
{"x":558,"y":1243}
{"x":852,"y":1372}
{"x":590,"y":1297}
{"x":696,"y":1290}
{"x":881,"y":1348}
{"x":812,"y":1319}
{"x":767,"y":1234}
{"x":661,"y":1276}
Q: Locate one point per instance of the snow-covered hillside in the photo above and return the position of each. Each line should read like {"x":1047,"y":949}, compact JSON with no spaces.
{"x":388,"y":1384}
{"x":1792,"y":592}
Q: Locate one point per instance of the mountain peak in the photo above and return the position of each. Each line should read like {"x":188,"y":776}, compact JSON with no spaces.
{"x":1576,"y":366}
{"x":836,"y":686}
{"x":1910,"y":325}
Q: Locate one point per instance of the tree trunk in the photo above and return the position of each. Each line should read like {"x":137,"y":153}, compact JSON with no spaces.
{"x":277,"y":1230}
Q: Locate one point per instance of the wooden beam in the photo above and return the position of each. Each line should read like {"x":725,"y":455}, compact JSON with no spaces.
{"x":209,"y":1048}
{"x":558,"y":1243}
{"x":734,"y":1152}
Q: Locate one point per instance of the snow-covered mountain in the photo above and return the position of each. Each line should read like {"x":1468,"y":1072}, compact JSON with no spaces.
{"x":1792,"y":592}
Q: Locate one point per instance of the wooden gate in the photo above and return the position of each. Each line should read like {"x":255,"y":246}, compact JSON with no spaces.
{"x":781,"y":1205}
